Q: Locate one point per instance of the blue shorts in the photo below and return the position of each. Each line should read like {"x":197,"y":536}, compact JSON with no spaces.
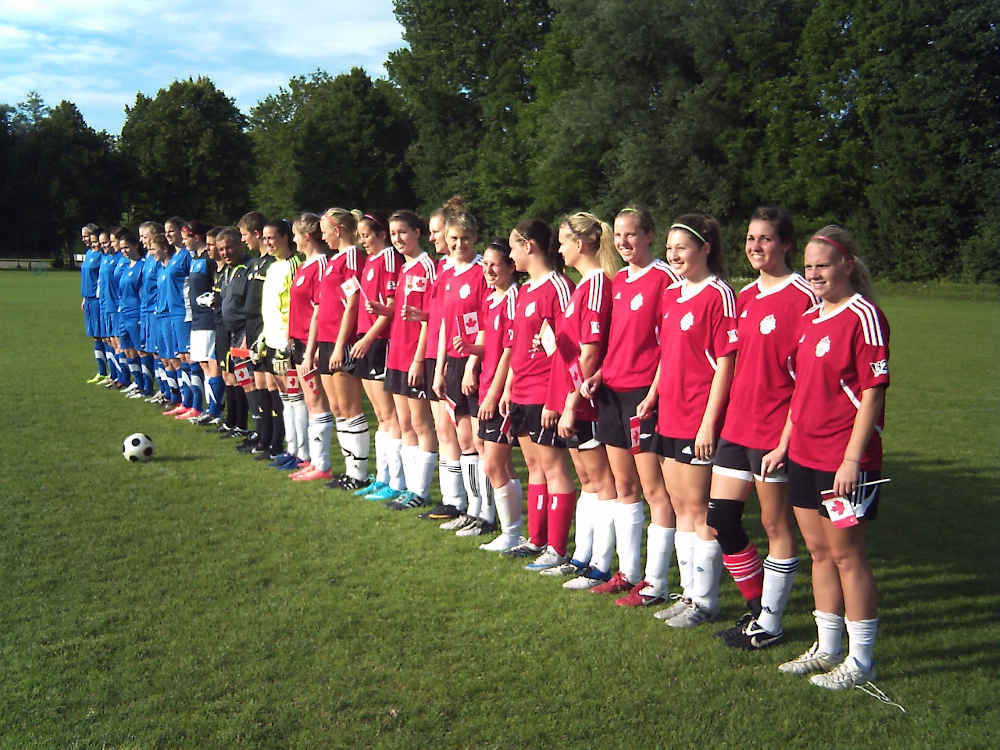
{"x":92,"y":317}
{"x":107,"y":326}
{"x":180,"y":336}
{"x":128,"y":331}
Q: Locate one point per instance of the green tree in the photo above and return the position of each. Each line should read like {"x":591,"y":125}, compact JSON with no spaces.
{"x":191,"y":152}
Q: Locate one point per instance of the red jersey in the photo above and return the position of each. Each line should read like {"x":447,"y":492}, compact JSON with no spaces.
{"x":343,"y":266}
{"x":434,"y":308}
{"x":497,"y":316}
{"x":304,"y":296}
{"x":837,"y":358}
{"x":543,"y":300}
{"x":586,"y":320}
{"x":378,"y":284}
{"x":767,"y":322}
{"x":633,"y":343}
{"x":462,"y":294}
{"x":698,"y":325}
{"x":416,"y":280}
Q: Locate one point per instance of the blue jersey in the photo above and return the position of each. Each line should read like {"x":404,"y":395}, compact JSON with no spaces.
{"x":105,"y":276}
{"x":128,"y":289}
{"x":170,"y":296}
{"x":117,"y":271}
{"x":160,"y":306}
{"x":147,"y":292}
{"x":89,"y":271}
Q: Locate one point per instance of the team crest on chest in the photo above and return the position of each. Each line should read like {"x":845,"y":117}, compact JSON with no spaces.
{"x":767,"y":325}
{"x":371,"y":274}
{"x":529,"y":309}
{"x":687,"y":321}
{"x":465,"y":291}
{"x":743,"y":314}
{"x":496,"y":323}
{"x":822,"y":346}
{"x":618,"y":295}
{"x":569,"y":309}
{"x":636,"y":302}
{"x":301,"y":281}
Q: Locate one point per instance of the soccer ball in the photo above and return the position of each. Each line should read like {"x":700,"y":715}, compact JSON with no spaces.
{"x":137,"y":447}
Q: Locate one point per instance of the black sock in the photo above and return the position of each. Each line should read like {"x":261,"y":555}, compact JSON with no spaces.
{"x":278,"y":428}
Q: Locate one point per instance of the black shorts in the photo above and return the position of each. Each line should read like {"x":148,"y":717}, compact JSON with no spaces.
{"x":805,"y":486}
{"x":324,"y":350}
{"x":372,"y":365}
{"x":615,"y":409}
{"x":584,"y":436}
{"x":740,"y":462}
{"x":680,"y":450}
{"x":489,"y":430}
{"x":397,"y":381}
{"x":296,"y":351}
{"x":429,"y":366}
{"x":454,"y":371}
{"x":526,"y":419}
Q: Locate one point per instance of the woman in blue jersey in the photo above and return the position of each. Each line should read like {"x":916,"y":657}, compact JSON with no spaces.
{"x":129,"y":286}
{"x":201,"y":276}
{"x":177,"y":332}
{"x":89,"y":303}
{"x":105,"y":280}
{"x":148,"y":368}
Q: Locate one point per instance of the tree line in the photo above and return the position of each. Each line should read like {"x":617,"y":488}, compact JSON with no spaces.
{"x":882,"y":116}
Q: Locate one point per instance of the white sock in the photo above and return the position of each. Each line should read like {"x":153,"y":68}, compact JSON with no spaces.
{"x":659,"y":550}
{"x":684,"y":549}
{"x":353,"y":435}
{"x":508,"y":502}
{"x":470,"y":478}
{"x":409,"y":456}
{"x":583,"y":534}
{"x":779,"y":575}
{"x":300,"y":414}
{"x":452,"y":487}
{"x":381,"y":464}
{"x":861,"y":641}
{"x":288,"y":419}
{"x":394,"y":459}
{"x":629,"y":520}
{"x":426,"y":463}
{"x":487,"y":498}
{"x":829,"y":632}
{"x":320,"y":434}
{"x":604,"y":535}
{"x":707,"y":571}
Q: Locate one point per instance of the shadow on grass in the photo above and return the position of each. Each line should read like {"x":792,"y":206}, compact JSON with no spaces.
{"x":175,"y":459}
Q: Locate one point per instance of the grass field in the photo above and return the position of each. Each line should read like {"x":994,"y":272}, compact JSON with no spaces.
{"x":201,"y":600}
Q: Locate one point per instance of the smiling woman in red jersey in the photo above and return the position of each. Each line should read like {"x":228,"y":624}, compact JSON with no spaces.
{"x":832,"y":440}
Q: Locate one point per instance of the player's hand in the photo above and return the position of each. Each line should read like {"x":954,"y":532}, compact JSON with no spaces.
{"x":414,"y":314}
{"x":647,"y":407}
{"x":415,"y":375}
{"x":336,"y":358}
{"x":566,"y":426}
{"x":590,"y":386}
{"x":487,"y":408}
{"x":704,"y":442}
{"x":549,"y":419}
{"x":772,"y":461}
{"x":845,"y":481}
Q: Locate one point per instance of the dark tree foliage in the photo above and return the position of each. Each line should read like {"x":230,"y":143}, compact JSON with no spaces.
{"x":331,"y":141}
{"x":191,"y":153}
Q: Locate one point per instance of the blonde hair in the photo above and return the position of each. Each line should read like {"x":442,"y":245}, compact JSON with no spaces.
{"x":346,"y":220}
{"x":843,"y":241}
{"x":597,"y":236}
{"x":308,"y":224}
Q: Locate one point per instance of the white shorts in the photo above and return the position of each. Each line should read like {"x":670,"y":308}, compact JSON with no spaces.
{"x":202,"y":345}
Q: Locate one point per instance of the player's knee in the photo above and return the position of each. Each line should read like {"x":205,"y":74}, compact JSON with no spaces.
{"x":725,"y":516}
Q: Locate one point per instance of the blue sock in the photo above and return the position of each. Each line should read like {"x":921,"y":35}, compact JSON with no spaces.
{"x":102,"y":366}
{"x":112,"y":365}
{"x":197,"y":386}
{"x":147,"y":366}
{"x":133,"y":370}
{"x":185,"y":378}
{"x":216,"y":387}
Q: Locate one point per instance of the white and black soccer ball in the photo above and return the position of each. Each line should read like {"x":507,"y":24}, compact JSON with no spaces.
{"x":137,"y":447}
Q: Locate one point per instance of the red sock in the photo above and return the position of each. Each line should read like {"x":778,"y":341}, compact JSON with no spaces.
{"x":560,"y":513}
{"x":747,"y":571}
{"x":538,"y":501}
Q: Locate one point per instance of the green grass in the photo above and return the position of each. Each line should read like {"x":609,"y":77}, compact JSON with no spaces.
{"x":202,"y":601}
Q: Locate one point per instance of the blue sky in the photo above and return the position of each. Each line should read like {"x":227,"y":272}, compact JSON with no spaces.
{"x":99,"y":53}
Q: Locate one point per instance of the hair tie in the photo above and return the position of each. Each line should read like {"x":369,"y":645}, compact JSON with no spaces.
{"x":689,"y":229}
{"x":827,"y":240}
{"x":374,"y":221}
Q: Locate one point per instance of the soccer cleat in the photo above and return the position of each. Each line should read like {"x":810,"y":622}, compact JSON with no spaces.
{"x":98,"y":378}
{"x":371,"y":485}
{"x":844,"y":676}
{"x":309,"y":476}
{"x":588,"y":578}
{"x":247,"y":445}
{"x":440,"y":512}
{"x":812,"y":661}
{"x":189,"y":414}
{"x":136,"y":394}
{"x":406,"y":501}
{"x":471,"y":523}
{"x":502,"y":543}
{"x":614,"y":585}
{"x":204,"y":418}
{"x":692,"y":616}
{"x":568,"y":568}
{"x":548,"y":559}
{"x":678,"y":606}
{"x":479,"y":528}
{"x":174,"y":411}
{"x":752,"y":638}
{"x":290,"y":463}
{"x":456,"y":523}
{"x":303,"y":469}
{"x":352,"y":484}
{"x":641,"y":595}
{"x":214,"y":422}
{"x":524,"y":549}
{"x":736,"y":630}
{"x":130,"y":388}
{"x":280,"y":460}
{"x":384,"y":494}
